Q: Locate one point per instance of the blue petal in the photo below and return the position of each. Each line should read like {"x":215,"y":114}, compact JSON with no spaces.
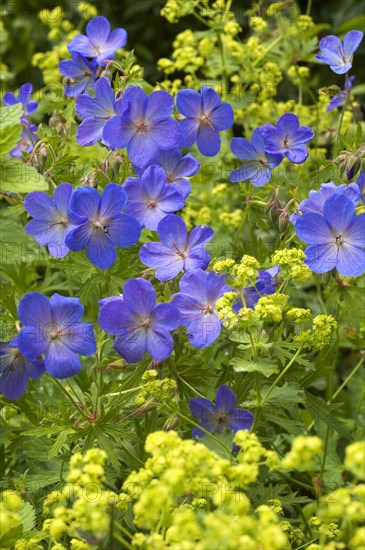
{"x":355,"y":232}
{"x":166,"y":133}
{"x":225,"y":399}
{"x":201,"y":408}
{"x":172,"y":229}
{"x":159,"y":344}
{"x":32,"y":341}
{"x":139,"y":296}
{"x":204,"y":330}
{"x":132,"y":345}
{"x":98,"y":30}
{"x":200,"y":235}
{"x":242,"y":420}
{"x":168,"y":263}
{"x":297,"y":154}
{"x":222,"y":118}
{"x":85,"y":201}
{"x":13,"y":383}
{"x":60,"y":361}
{"x":79,"y":338}
{"x":351,"y":260}
{"x":189,"y":103}
{"x":160,"y":106}
{"x":165,"y":316}
{"x":189,"y":131}
{"x":101,"y":250}
{"x":351,"y":42}
{"x":39,"y":205}
{"x":90,"y":131}
{"x":312,"y":228}
{"x":339,"y":212}
{"x":209,"y":141}
{"x":65,"y":310}
{"x":113,"y":201}
{"x":321,"y":258}
{"x":34,"y":309}
{"x":243,"y":149}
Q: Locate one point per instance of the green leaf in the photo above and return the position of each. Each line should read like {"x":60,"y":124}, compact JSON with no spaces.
{"x":27,"y":516}
{"x":10,"y":127}
{"x":267,"y":368}
{"x":18,"y":177}
{"x":284,"y":396}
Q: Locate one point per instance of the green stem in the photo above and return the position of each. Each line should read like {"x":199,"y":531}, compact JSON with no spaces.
{"x":309,"y":7}
{"x":123,"y":529}
{"x":275,"y":383}
{"x":342,"y":115}
{"x":123,"y":542}
{"x":191,"y":387}
{"x":69,"y":396}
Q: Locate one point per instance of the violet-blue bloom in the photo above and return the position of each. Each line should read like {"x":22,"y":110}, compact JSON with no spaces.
{"x":206,"y":116}
{"x":106,"y":226}
{"x":52,"y":327}
{"x":340,"y":99}
{"x":95,"y":109}
{"x":177,"y":167}
{"x":178,"y":249}
{"x":27,"y":140}
{"x":339,"y":55}
{"x":258,"y":164}
{"x":99,"y":43}
{"x":199,"y":292}
{"x":221,"y":415}
{"x":15,"y":369}
{"x":336,"y":239}
{"x":150,"y":198}
{"x":360,"y":182}
{"x":145,"y":127}
{"x":79,"y":73}
{"x":138,"y":323}
{"x":265,"y":284}
{"x":53,"y":219}
{"x":288,"y":138}
{"x":316,"y":199}
{"x":24,"y":95}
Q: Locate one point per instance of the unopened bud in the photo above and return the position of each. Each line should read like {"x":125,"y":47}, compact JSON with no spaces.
{"x":283,"y":220}
{"x":90,"y":180}
{"x":353,"y":165}
{"x":171,"y":423}
{"x":330,"y":91}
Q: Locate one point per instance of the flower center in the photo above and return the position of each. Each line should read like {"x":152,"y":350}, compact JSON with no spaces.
{"x":286,"y":141}
{"x":62,"y":222}
{"x":206,"y":121}
{"x":207,"y":310}
{"x":54,"y":334}
{"x":180,"y":253}
{"x":142,"y":128}
{"x":169,"y":178}
{"x":338,"y":241}
{"x":99,"y":225}
{"x":151,"y":204}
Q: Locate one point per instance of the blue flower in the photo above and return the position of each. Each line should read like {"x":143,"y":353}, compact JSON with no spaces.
{"x":222,"y":415}
{"x":177,"y":168}
{"x":15,"y":369}
{"x":316,"y":200}
{"x":199,"y":292}
{"x":138,"y":323}
{"x":99,"y":44}
{"x":360,"y":182}
{"x":335,"y":239}
{"x":206,"y":116}
{"x":24,"y":94}
{"x":53,"y":219}
{"x":79,"y":73}
{"x":27,"y":140}
{"x":177,"y":250}
{"x":258,"y":163}
{"x":145,"y":127}
{"x":340,"y":99}
{"x":52,"y":327}
{"x":288,"y":138}
{"x":150,"y":198}
{"x":106,"y":227}
{"x":265,"y":284}
{"x":96,"y":109}
{"x":337,"y":55}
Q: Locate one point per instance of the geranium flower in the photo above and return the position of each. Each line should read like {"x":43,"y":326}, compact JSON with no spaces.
{"x":199,"y":292}
{"x":206,"y":116}
{"x":360,"y":182}
{"x":221,"y":415}
{"x":53,"y":219}
{"x":79,"y":73}
{"x":316,"y":200}
{"x":106,"y":227}
{"x":27,"y":140}
{"x":335,"y":239}
{"x":150,"y":198}
{"x":339,"y":55}
{"x":258,"y":163}
{"x":265,"y":284}
{"x":340,"y":99}
{"x":96,"y":109}
{"x":24,"y":95}
{"x":52,"y":327}
{"x":288,"y":138}
{"x":177,"y":167}
{"x":99,"y":43}
{"x":15,"y":369}
{"x":145,"y":127}
{"x":138,"y":323}
{"x":177,"y":250}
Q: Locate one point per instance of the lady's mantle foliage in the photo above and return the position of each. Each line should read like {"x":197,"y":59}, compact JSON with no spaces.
{"x":288,"y":138}
{"x":106,"y":227}
{"x":99,"y":43}
{"x":199,"y":292}
{"x":95,"y":109}
{"x":138,"y":323}
{"x":150,"y":198}
{"x":178,"y":250}
{"x":206,"y":116}
{"x":339,"y":55}
{"x":145,"y":127}
{"x":53,"y":219}
{"x":15,"y":369}
{"x":258,"y":164}
{"x":52,"y":327}
{"x":223,"y":414}
{"x":335,"y":239}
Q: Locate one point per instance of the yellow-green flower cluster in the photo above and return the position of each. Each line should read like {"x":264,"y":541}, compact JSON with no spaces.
{"x":355,"y":459}
{"x":304,"y":454}
{"x":174,"y":10}
{"x":9,"y":505}
{"x":292,"y":260}
{"x":299,"y":315}
{"x":184,"y":55}
{"x":158,"y":390}
{"x":271,"y":308}
{"x":244,"y":273}
{"x":323,"y":328}
{"x":258,"y":24}
{"x":224,"y":308}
